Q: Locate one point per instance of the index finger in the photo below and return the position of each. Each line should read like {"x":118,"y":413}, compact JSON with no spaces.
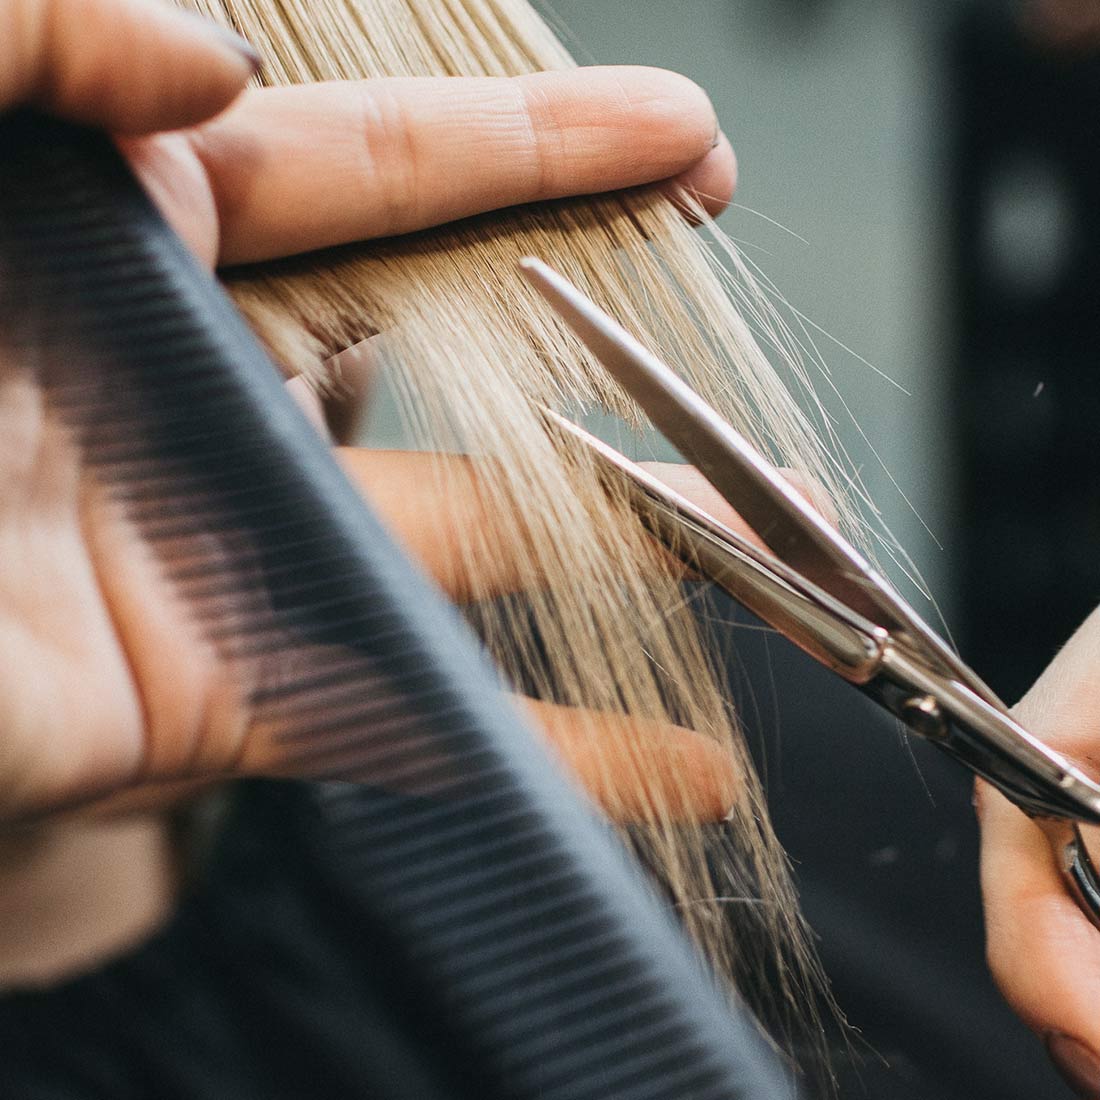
{"x":306,"y":167}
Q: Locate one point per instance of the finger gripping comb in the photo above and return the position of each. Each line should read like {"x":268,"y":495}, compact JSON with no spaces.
{"x":542,"y":966}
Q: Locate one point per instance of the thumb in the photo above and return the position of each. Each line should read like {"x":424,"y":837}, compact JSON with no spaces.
{"x":131,"y":66}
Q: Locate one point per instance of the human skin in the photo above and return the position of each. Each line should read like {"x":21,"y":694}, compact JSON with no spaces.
{"x":105,"y":690}
{"x":1043,"y":951}
{"x":107,"y":695}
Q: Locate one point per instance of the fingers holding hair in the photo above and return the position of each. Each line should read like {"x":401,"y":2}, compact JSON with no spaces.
{"x":295,"y":169}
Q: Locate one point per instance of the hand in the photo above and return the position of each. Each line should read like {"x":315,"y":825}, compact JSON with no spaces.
{"x":1043,"y":951}
{"x":103,"y":685}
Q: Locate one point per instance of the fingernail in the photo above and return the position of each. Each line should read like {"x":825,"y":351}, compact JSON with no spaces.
{"x":236,"y":42}
{"x":1076,"y":1062}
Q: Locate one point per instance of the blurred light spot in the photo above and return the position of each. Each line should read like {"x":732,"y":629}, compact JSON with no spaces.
{"x":1028,"y":227}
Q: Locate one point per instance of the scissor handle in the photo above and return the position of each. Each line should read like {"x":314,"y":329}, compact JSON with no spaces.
{"x":1080,"y":875}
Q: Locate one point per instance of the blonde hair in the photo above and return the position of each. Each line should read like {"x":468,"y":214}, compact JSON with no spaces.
{"x":474,"y":353}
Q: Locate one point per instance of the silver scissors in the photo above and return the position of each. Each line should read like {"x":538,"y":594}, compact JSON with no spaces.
{"x":819,"y":591}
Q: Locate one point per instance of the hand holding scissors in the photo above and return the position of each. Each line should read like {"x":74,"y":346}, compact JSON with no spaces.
{"x":1041,"y":891}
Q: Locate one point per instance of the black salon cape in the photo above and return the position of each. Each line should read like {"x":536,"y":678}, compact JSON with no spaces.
{"x":258,"y":987}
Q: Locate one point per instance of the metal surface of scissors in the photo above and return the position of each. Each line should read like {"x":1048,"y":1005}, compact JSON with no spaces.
{"x":819,"y":591}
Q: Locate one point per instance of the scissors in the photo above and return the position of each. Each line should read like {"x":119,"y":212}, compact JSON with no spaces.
{"x":815,"y":588}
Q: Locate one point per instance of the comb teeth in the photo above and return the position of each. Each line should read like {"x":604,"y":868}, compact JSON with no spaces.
{"x":548,"y":965}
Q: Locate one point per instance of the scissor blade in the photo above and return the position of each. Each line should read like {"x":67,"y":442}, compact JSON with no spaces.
{"x":896,"y":666}
{"x":774,"y":510}
{"x":790,"y":527}
{"x":760,"y":582}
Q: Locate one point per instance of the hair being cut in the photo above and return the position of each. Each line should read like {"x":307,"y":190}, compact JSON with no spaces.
{"x":472,"y":353}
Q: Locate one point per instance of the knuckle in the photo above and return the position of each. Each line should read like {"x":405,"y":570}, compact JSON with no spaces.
{"x":540,"y":136}
{"x":390,"y":156}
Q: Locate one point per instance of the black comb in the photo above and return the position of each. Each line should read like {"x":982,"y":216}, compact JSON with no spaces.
{"x":546,"y":967}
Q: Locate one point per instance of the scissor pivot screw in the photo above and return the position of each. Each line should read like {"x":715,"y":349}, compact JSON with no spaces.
{"x":923,"y":715}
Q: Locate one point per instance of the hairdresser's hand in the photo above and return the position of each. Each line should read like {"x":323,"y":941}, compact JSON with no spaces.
{"x":286,"y":170}
{"x":1042,"y":949}
{"x":104,"y":685}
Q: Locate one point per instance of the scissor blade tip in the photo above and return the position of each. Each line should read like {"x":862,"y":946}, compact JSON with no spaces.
{"x":545,"y":279}
{"x":564,"y":298}
{"x":532,"y":265}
